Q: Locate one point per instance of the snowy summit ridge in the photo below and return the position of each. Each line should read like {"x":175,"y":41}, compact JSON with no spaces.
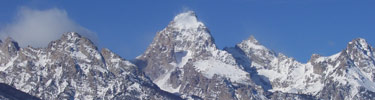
{"x":185,"y":52}
{"x":72,"y":68}
{"x":183,"y":59}
{"x":186,"y":20}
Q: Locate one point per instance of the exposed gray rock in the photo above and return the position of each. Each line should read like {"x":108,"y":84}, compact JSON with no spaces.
{"x":181,"y":58}
{"x":172,"y":62}
{"x":73,"y":68}
{"x":346,"y":75}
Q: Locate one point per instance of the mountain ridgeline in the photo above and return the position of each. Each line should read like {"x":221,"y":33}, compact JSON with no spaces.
{"x":73,"y":68}
{"x":183,"y":62}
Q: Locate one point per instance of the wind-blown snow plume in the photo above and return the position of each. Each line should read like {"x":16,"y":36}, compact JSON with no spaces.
{"x":38,"y":27}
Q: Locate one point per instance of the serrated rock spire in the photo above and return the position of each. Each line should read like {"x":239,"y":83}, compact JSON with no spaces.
{"x":359,"y":43}
{"x":184,"y":33}
{"x":10,"y":47}
{"x":359,"y":48}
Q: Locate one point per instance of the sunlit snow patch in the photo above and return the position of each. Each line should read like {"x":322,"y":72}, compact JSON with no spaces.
{"x":211,"y":67}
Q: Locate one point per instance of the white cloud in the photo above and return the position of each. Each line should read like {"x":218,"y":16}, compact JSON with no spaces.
{"x":38,"y":27}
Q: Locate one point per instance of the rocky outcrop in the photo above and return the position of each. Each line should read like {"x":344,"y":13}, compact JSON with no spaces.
{"x":73,"y":68}
{"x":345,"y":75}
{"x":183,"y":59}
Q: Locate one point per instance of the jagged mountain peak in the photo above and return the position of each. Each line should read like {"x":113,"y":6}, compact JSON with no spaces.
{"x":183,"y":39}
{"x":354,"y":50}
{"x":71,"y":35}
{"x":185,"y":33}
{"x":10,"y":41}
{"x":186,"y":29}
{"x":189,"y":33}
{"x":184,"y":52}
{"x":186,"y":20}
{"x":10,"y":46}
{"x":359,"y":40}
{"x":251,"y":44}
{"x":359,"y":48}
{"x":72,"y":40}
{"x":252,"y":39}
{"x":71,"y":68}
{"x":358,"y":43}
{"x":74,"y":37}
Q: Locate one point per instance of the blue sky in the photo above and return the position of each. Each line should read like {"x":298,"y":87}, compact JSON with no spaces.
{"x":297,"y":28}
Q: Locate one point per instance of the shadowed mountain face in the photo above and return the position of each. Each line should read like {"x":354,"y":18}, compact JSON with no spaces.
{"x":9,"y":93}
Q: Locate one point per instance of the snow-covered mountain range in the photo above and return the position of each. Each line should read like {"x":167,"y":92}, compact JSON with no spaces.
{"x":183,"y":62}
{"x":73,"y":68}
{"x":184,"y":59}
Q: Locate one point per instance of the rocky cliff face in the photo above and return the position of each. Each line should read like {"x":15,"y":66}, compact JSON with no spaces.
{"x":348,"y":74}
{"x":73,"y":68}
{"x":183,"y":62}
{"x":183,"y":59}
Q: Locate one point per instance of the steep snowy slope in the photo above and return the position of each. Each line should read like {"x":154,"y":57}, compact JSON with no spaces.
{"x":73,"y":68}
{"x":277,"y":72}
{"x":348,"y":74}
{"x":184,"y":59}
{"x":345,"y":75}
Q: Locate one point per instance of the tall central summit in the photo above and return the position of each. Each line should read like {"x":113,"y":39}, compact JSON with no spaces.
{"x":183,"y":38}
{"x":184,"y":34}
{"x":184,"y":55}
{"x":186,"y":20}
